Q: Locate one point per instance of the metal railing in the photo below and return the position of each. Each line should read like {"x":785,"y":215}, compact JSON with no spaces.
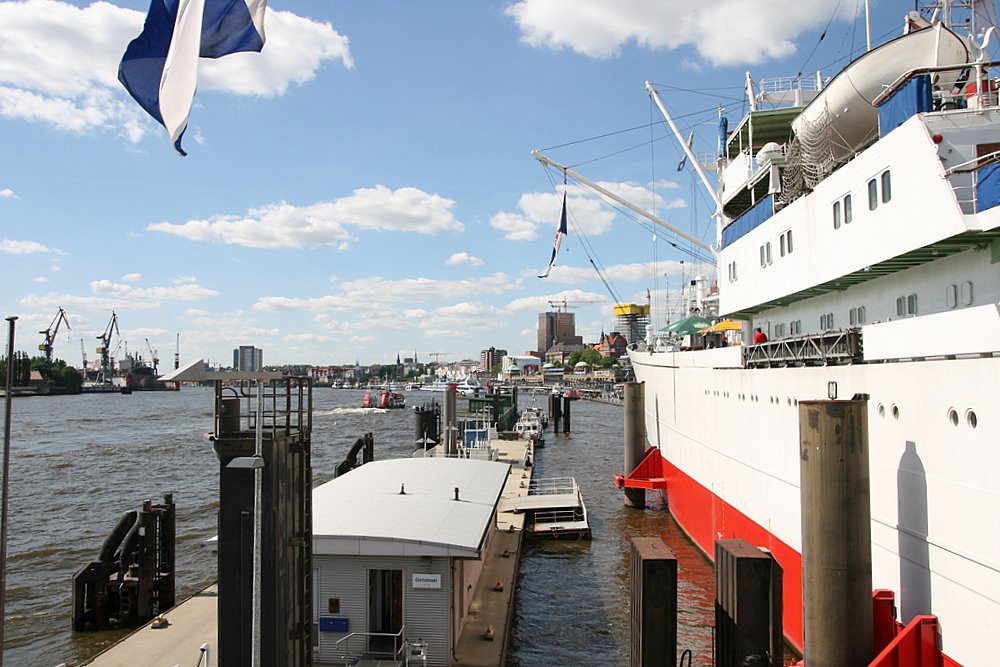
{"x":831,"y":347}
{"x":346,"y":646}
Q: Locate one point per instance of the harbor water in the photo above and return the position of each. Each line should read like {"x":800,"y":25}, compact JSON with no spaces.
{"x":78,"y":462}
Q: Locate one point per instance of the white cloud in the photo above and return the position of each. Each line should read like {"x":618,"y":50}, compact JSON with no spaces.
{"x":59,"y":63}
{"x":374,"y":293}
{"x":284,"y":225}
{"x":587,"y":212}
{"x":7,"y":193}
{"x":182,"y":292}
{"x":463,"y":258}
{"x":754,"y":31}
{"x":132,"y":277}
{"x":306,"y":338}
{"x":22,"y":247}
{"x":41,"y":279}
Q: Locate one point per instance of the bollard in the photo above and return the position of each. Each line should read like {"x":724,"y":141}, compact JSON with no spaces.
{"x":565,"y":416}
{"x":836,"y":533}
{"x":654,"y":603}
{"x":555,"y":411}
{"x":635,"y":439}
{"x":747,"y":605}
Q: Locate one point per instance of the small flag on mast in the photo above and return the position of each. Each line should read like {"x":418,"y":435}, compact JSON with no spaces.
{"x":560,"y":233}
{"x":160,"y":66}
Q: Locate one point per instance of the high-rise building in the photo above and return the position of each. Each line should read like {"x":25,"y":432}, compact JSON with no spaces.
{"x":490,"y":358}
{"x":557,"y":327}
{"x":248,"y":358}
{"x":631,"y":320}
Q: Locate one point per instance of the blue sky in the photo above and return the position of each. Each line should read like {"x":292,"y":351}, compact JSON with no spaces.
{"x":364,"y":187}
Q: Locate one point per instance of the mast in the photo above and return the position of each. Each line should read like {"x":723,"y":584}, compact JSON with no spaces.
{"x":629,"y":205}
{"x":719,"y":215}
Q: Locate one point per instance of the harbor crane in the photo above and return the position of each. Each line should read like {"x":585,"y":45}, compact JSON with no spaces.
{"x":437,"y":356}
{"x":103,"y":350}
{"x":50,"y":333}
{"x":152,"y":355}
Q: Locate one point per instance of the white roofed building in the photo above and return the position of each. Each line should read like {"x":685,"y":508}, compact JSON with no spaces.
{"x":397,"y":550}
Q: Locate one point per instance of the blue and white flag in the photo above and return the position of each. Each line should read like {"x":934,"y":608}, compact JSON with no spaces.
{"x":160,"y":66}
{"x":560,"y":233}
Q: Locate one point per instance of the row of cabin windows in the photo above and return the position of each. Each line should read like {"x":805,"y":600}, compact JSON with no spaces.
{"x":955,"y":295}
{"x":879,"y":190}
{"x":785,"y":247}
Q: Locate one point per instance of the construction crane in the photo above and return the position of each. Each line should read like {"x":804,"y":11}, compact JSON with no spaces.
{"x":50,"y":333}
{"x":562,"y":306}
{"x":152,"y":355}
{"x":437,"y":356}
{"x":177,"y":353}
{"x":83,"y":353}
{"x":103,"y":350}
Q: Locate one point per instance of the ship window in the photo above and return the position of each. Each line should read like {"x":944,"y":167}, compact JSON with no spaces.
{"x":848,"y":216}
{"x":767,"y":246}
{"x":967,"y":293}
{"x":853,"y":318}
{"x":911,"y":304}
{"x":861,"y":314}
{"x":763,"y":262}
{"x":951,"y":295}
{"x":886,"y":186}
{"x":872,"y":194}
{"x":781,"y":243}
{"x":788,"y":237}
{"x":735,"y":275}
{"x":836,"y":215}
{"x":900,"y":307}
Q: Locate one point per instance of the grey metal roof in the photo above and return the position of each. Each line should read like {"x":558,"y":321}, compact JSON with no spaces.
{"x":363,"y":512}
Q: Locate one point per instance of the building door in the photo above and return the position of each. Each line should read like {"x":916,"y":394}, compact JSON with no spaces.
{"x":385,"y":610}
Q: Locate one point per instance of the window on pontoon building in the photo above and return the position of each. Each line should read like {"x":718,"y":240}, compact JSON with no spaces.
{"x":911,"y":304}
{"x":886,"y":186}
{"x":900,"y":307}
{"x":795,"y":327}
{"x":872,"y":194}
{"x":826,"y":322}
{"x":857,"y":315}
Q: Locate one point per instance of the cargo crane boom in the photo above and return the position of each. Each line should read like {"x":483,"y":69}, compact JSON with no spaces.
{"x":104,"y":351}
{"x":153,"y":356}
{"x":50,"y":333}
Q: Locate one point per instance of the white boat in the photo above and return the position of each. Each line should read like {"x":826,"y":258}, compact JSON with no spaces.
{"x":529,"y":426}
{"x":879,"y":278}
{"x":553,"y":508}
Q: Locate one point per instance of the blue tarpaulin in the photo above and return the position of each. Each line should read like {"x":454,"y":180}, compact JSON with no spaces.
{"x":754,"y":216}
{"x":988,"y":186}
{"x":913,"y":98}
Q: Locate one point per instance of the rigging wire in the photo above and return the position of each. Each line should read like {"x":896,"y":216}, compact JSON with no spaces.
{"x":820,"y":40}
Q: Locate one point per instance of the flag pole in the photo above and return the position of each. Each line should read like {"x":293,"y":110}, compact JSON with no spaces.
{"x":8,"y":391}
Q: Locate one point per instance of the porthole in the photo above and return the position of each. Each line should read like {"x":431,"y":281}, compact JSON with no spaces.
{"x":971,"y":419}
{"x":895,"y":412}
{"x":953,"y":416}
{"x":789,"y":399}
{"x":881,"y":410}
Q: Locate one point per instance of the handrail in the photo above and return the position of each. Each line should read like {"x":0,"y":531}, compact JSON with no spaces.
{"x":395,"y":653}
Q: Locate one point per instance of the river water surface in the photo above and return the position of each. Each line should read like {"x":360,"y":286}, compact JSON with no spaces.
{"x":78,"y":462}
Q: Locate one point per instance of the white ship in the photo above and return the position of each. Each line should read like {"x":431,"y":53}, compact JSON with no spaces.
{"x":858,"y":226}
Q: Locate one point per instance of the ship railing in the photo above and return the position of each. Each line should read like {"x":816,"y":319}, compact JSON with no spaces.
{"x":569,"y":515}
{"x":821,"y":349}
{"x":965,"y":179}
{"x":553,"y":486}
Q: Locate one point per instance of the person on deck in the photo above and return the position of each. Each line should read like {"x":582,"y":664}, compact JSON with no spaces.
{"x":759,"y":337}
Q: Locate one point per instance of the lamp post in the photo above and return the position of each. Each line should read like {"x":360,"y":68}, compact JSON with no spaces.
{"x":6,"y":478}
